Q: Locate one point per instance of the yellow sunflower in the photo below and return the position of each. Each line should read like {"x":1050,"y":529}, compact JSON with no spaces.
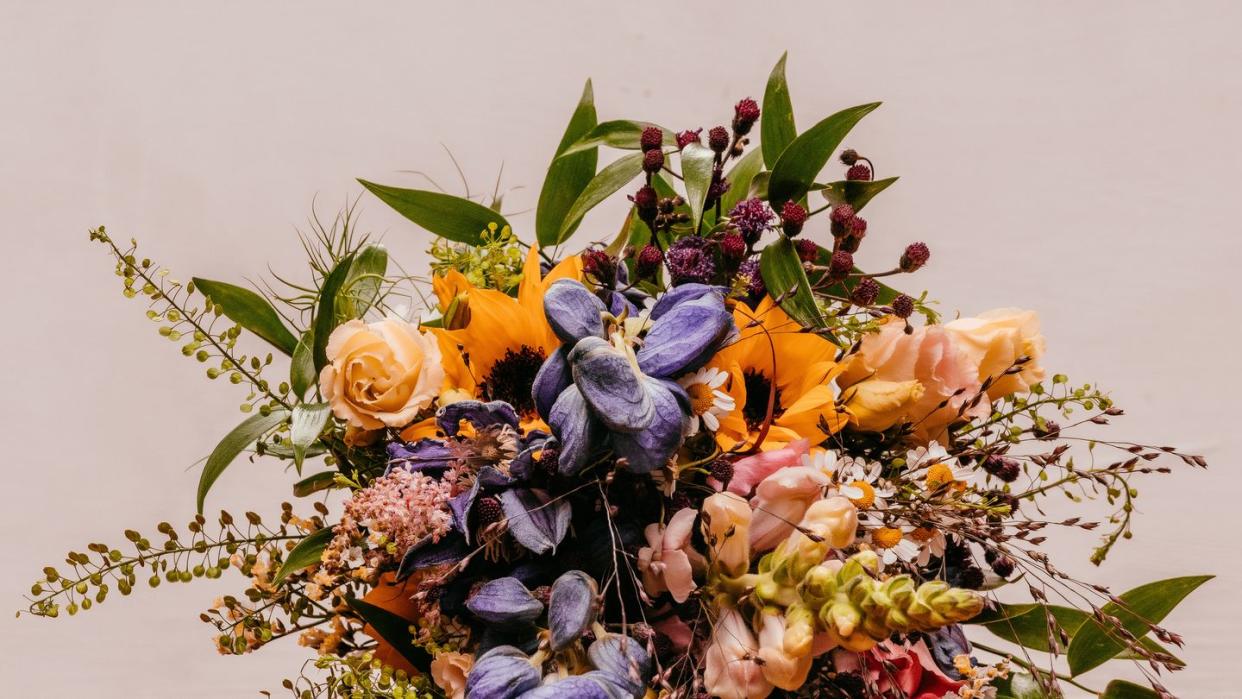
{"x":503,"y":340}
{"x":772,"y":351}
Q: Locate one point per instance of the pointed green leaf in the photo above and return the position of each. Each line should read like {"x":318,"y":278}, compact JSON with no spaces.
{"x":314,"y":483}
{"x":445,"y":215}
{"x":856,"y":193}
{"x":740,"y":177}
{"x":307,"y":424}
{"x":612,"y":178}
{"x":302,"y":369}
{"x":621,"y":133}
{"x":394,"y":630}
{"x":242,"y":437}
{"x":362,"y":285}
{"x":786,"y":281}
{"x":249,"y":310}
{"x":776,"y":126}
{"x":1121,"y":689}
{"x":1029,"y":626}
{"x":567,"y":176}
{"x":307,"y":553}
{"x":697,"y":162}
{"x":1093,"y":645}
{"x":325,"y":313}
{"x":795,"y":171}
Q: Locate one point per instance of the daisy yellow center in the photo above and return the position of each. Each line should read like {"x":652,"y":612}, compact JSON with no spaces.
{"x":867,"y":499}
{"x":939,"y":476}
{"x":885,"y":537}
{"x":922,"y":534}
{"x":701,"y":398}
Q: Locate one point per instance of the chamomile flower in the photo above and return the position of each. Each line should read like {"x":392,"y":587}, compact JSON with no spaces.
{"x":860,"y":481}
{"x":930,"y":541}
{"x":940,"y":471}
{"x":821,"y":460}
{"x":891,"y":545}
{"x":707,"y":401}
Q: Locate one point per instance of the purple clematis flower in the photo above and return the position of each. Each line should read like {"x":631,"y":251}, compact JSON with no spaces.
{"x":597,"y":390}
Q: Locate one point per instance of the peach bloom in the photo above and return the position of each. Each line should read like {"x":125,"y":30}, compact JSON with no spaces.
{"x":834,"y":523}
{"x":993,"y":340}
{"x":726,"y":526}
{"x":785,"y":646}
{"x":780,"y":501}
{"x":381,"y":374}
{"x":748,"y":471}
{"x":449,"y":671}
{"x":731,"y":671}
{"x":877,"y":386}
{"x":668,"y":562}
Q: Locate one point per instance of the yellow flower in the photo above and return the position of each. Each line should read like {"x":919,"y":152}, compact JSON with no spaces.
{"x":772,"y":351}
{"x":503,"y":340}
{"x":380,"y":374}
{"x":994,"y":340}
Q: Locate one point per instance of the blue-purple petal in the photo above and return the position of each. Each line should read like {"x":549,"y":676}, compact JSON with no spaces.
{"x":610,"y":386}
{"x":623,"y":659}
{"x":571,"y":607}
{"x":682,"y":294}
{"x":651,"y":448}
{"x":573,"y":311}
{"x":504,"y":601}
{"x":477,"y":413}
{"x":460,"y":505}
{"x":685,"y":337}
{"x":576,"y":430}
{"x":617,"y":303}
{"x":451,"y":548}
{"x":572,"y":687}
{"x":536,"y":520}
{"x":553,"y":378}
{"x":504,"y":672}
{"x":423,"y":455}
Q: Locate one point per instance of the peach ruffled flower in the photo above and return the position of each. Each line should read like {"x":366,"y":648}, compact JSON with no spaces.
{"x":781,"y":500}
{"x":381,"y":374}
{"x":992,"y":341}
{"x":726,"y":527}
{"x":449,"y":671}
{"x":732,"y":671}
{"x":669,"y":562}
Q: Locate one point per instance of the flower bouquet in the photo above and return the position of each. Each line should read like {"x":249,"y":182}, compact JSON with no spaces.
{"x":705,"y":456}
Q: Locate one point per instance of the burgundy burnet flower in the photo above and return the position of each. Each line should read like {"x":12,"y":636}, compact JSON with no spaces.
{"x":690,"y":261}
{"x":840,"y":265}
{"x":748,"y":273}
{"x":653,"y":160}
{"x":745,"y":114}
{"x":808,"y":251}
{"x":601,"y":266}
{"x":793,"y":216}
{"x":687,"y":137}
{"x":718,"y":139}
{"x":858,"y":172}
{"x":865,"y":292}
{"x":649,"y":260}
{"x":733,"y":246}
{"x":841,"y":213}
{"x":751,"y":217}
{"x":651,"y":138}
{"x":915,"y":256}
{"x":903,"y":306}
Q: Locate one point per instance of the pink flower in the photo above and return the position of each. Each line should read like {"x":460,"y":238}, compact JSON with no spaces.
{"x":748,"y":472}
{"x":993,"y":340}
{"x":914,"y":672}
{"x":781,"y":501}
{"x":668,"y":562}
{"x":731,"y":671}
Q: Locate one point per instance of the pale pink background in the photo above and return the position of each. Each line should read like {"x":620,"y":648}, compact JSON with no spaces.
{"x":1083,"y":159}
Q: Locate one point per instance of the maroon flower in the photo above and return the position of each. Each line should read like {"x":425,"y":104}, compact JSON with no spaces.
{"x":651,"y":138}
{"x":858,"y":172}
{"x":687,"y":137}
{"x":793,"y":216}
{"x":914,"y":257}
{"x":903,"y":306}
{"x":745,"y":114}
{"x":808,"y":251}
{"x":865,"y":292}
{"x":733,"y":246}
{"x":689,"y":260}
{"x":718,"y":139}
{"x":653,"y":160}
{"x":751,"y":217}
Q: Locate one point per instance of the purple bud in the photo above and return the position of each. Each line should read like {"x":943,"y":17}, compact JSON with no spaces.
{"x":687,"y":137}
{"x":571,"y":607}
{"x":504,"y":601}
{"x":745,"y":114}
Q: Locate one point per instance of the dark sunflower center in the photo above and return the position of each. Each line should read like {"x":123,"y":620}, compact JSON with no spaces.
{"x":512,"y":377}
{"x":755,"y":411}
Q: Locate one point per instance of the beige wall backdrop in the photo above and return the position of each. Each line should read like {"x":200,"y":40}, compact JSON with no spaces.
{"x":1083,"y":159}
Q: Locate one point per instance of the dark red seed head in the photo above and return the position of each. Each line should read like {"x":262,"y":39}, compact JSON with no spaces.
{"x":865,"y":292}
{"x":858,"y":172}
{"x":793,"y":216}
{"x":745,"y":114}
{"x":849,"y":156}
{"x":722,"y":470}
{"x":914,"y":257}
{"x":856,"y":227}
{"x":653,"y":160}
{"x":646,"y":198}
{"x":489,"y":510}
{"x":903,"y":306}
{"x":733,"y":246}
{"x":841,"y":213}
{"x":651,"y":138}
{"x":841,"y":264}
{"x":718,"y":139}
{"x":600,"y":265}
{"x":687,"y":137}
{"x":649,"y":260}
{"x":1003,"y":566}
{"x":808,"y":251}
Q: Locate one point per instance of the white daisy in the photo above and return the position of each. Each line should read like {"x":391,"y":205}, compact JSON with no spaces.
{"x":942,"y":473}
{"x":860,"y":481}
{"x":931,"y":543}
{"x":821,"y":460}
{"x":707,"y":401}
{"x":891,"y":545}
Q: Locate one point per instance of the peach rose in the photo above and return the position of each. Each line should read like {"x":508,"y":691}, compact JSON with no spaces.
{"x":449,"y":671}
{"x":380,"y":374}
{"x":731,"y":670}
{"x":878,"y":386}
{"x":994,"y":340}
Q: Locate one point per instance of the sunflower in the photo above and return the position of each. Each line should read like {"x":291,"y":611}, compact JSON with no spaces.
{"x":772,"y":352}
{"x":503,"y":340}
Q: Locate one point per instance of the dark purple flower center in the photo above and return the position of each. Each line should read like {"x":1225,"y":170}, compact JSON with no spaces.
{"x":755,"y":410}
{"x":513,"y":376}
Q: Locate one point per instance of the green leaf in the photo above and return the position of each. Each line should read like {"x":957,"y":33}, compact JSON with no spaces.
{"x":306,"y":553}
{"x":325,"y":313}
{"x":759,"y":184}
{"x":795,"y":171}
{"x":1146,"y":642}
{"x":567,"y":176}
{"x":697,"y":162}
{"x":776,"y":128}
{"x":1029,"y":627}
{"x":394,"y":630}
{"x":1121,"y":689}
{"x":307,"y":424}
{"x":242,"y":436}
{"x":612,"y":178}
{"x":783,"y":275}
{"x":740,"y":177}
{"x":302,"y":369}
{"x":856,"y":193}
{"x":362,"y":284}
{"x":1093,"y":645}
{"x":249,"y":310}
{"x":314,"y":483}
{"x":621,"y":133}
{"x":445,"y":215}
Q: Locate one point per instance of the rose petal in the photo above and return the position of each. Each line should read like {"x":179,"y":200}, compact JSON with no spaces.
{"x":573,"y":311}
{"x":685,"y":337}
{"x":610,"y":386}
{"x":576,"y":430}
